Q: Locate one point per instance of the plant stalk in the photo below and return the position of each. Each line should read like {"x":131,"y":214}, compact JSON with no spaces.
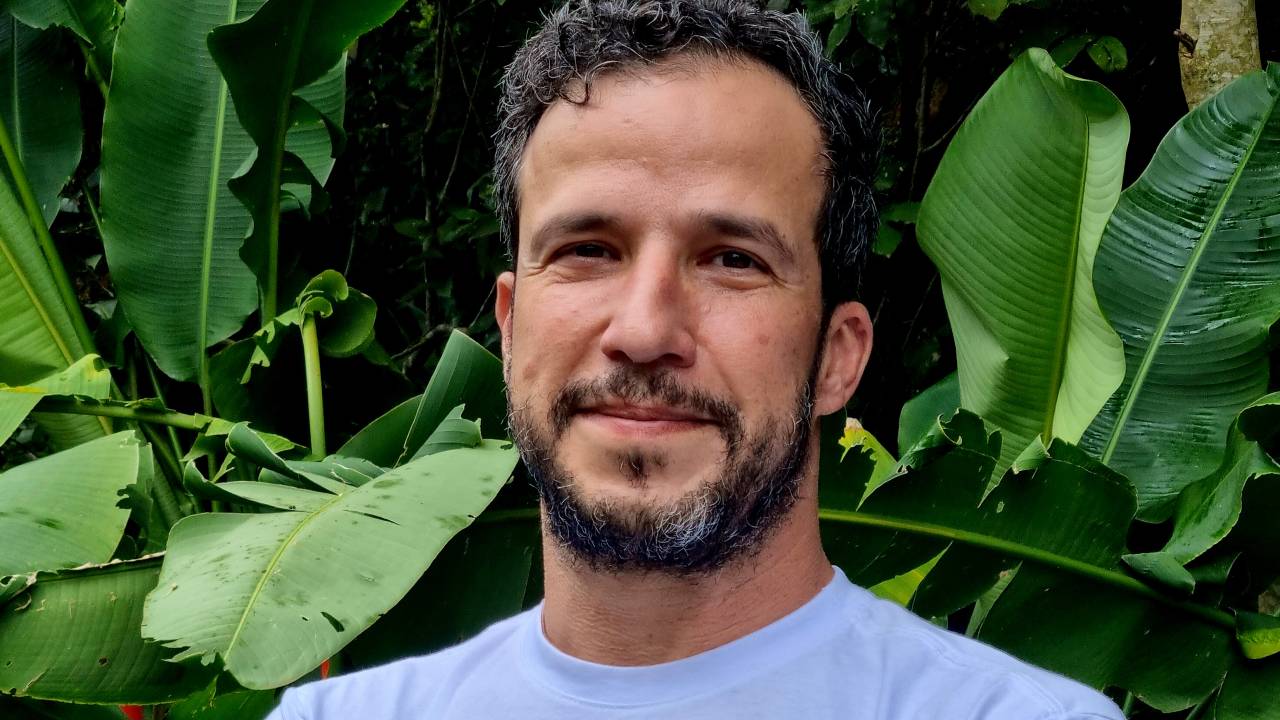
{"x":1035,"y":555}
{"x":47,"y":248}
{"x":171,"y":470}
{"x":159,"y":393}
{"x":92,"y":64}
{"x":155,"y":416}
{"x":315,"y":388}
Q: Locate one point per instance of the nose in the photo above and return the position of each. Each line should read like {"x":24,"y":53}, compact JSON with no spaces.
{"x":651,"y":322}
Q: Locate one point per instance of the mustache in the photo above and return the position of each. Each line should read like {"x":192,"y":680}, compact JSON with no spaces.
{"x":631,"y":384}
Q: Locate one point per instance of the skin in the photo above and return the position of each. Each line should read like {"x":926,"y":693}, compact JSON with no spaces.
{"x":642,"y":241}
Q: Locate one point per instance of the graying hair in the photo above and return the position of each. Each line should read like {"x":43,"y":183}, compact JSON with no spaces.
{"x":585,"y":38}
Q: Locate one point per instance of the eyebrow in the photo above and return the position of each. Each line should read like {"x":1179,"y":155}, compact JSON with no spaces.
{"x":748,"y":228}
{"x":571,"y":223}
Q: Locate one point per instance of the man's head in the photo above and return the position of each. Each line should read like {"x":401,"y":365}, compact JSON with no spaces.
{"x":685,"y":187}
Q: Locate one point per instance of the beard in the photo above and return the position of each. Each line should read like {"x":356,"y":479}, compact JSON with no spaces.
{"x":727,"y":518}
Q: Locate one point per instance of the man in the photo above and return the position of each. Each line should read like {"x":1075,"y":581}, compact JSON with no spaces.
{"x":685,"y":185}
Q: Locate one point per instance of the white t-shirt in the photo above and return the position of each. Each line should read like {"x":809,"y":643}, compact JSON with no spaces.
{"x":844,"y":654}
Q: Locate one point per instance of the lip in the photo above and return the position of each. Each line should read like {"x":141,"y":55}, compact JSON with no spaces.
{"x":643,"y":420}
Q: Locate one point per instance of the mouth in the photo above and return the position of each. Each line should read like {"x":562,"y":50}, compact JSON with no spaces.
{"x":643,"y":420}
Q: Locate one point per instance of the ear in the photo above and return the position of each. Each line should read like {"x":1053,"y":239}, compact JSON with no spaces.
{"x":504,"y":307}
{"x":846,"y":348}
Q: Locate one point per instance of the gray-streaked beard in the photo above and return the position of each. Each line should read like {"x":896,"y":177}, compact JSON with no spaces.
{"x":727,"y":518}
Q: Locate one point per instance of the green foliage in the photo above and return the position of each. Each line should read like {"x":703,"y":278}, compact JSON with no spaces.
{"x":40,"y":107}
{"x":221,"y":125}
{"x":55,"y":518}
{"x":102,"y":658}
{"x":1186,"y":274}
{"x":273,"y":594}
{"x":1013,"y":208}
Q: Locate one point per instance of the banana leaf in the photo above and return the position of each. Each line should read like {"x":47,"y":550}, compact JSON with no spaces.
{"x":1012,"y":219}
{"x":212,"y":705}
{"x":466,"y":374}
{"x":1188,"y":272}
{"x":1249,"y":692}
{"x":40,"y":108}
{"x":37,"y":330}
{"x":94,"y":21}
{"x":486,"y":569}
{"x":271,"y":595}
{"x":302,"y":39}
{"x":170,"y":143}
{"x":86,"y":377}
{"x":61,"y":510}
{"x":1057,"y":521}
{"x":74,"y":636}
{"x":1209,"y":508}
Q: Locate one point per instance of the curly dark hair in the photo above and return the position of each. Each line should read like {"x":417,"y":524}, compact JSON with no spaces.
{"x":585,"y":38}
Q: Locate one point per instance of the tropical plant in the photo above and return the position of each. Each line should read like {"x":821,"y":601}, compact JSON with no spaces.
{"x":202,"y":156}
{"x":1041,"y":255}
{"x":208,"y":558}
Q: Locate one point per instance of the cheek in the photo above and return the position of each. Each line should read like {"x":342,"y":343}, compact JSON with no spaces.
{"x":550,"y":335}
{"x":763,"y":350}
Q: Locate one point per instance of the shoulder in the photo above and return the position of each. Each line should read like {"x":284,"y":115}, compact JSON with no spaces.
{"x":411,"y":682}
{"x":922,"y":660}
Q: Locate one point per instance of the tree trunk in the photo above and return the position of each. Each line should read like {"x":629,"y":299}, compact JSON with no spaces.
{"x":1219,"y":44}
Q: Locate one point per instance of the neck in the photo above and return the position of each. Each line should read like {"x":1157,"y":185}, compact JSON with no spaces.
{"x":645,"y":618}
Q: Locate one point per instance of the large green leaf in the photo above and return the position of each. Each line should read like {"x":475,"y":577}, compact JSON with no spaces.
{"x":273,"y":594}
{"x":1189,"y":274}
{"x":300,"y":40}
{"x":95,"y":21}
{"x":12,"y":708}
{"x":74,"y":636}
{"x":40,"y":107}
{"x":1107,"y":635}
{"x":170,"y":142}
{"x":467,"y":374}
{"x":1209,"y":508}
{"x":920,"y":413}
{"x":210,"y":705}
{"x":60,"y":511}
{"x":36,"y":332}
{"x":87,"y":377}
{"x":1012,"y":219}
{"x":1059,"y":520}
{"x":1250,"y":691}
{"x":480,"y":577}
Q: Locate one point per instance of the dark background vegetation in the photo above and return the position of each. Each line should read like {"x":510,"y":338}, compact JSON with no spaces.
{"x":410,"y":220}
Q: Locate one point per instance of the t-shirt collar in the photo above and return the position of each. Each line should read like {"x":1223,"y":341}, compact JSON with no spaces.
{"x":709,"y":671}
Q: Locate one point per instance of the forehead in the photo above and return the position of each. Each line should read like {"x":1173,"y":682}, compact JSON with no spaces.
{"x":688,"y":135}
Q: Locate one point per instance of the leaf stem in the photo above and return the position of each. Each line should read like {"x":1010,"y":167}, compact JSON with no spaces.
{"x":92,"y":65}
{"x":47,"y":248}
{"x":156,"y":416}
{"x":1031,"y":554}
{"x":149,"y":364}
{"x":315,"y":388}
{"x":93,"y":209}
{"x":171,"y":473}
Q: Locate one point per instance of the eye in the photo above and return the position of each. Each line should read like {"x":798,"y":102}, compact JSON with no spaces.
{"x":589,"y":250}
{"x":735,"y":260}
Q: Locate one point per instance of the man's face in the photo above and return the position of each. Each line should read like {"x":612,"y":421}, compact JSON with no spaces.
{"x":662,"y":356}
